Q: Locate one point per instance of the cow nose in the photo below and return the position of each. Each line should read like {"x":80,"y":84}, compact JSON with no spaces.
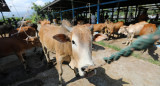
{"x":83,"y":68}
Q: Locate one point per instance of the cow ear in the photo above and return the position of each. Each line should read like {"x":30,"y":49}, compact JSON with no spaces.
{"x":61,"y":38}
{"x":99,"y":37}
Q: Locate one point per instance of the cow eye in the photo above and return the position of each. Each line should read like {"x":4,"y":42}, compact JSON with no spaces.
{"x":73,"y":42}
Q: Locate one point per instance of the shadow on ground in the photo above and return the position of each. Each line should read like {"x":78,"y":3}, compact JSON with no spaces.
{"x":101,"y":79}
{"x":152,"y":53}
{"x":15,"y":73}
{"x":96,"y":47}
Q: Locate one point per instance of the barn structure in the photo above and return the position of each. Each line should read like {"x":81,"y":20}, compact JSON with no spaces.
{"x":79,"y":8}
{"x":3,"y":8}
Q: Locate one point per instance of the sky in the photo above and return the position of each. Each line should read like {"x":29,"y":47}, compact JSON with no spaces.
{"x":21,"y":8}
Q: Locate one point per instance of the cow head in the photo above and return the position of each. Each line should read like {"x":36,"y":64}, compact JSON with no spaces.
{"x":33,"y":40}
{"x":44,"y":22}
{"x":81,"y":42}
{"x":123,"y":30}
{"x":109,"y":27}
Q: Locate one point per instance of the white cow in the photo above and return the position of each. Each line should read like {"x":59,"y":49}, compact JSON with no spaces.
{"x":132,"y":30}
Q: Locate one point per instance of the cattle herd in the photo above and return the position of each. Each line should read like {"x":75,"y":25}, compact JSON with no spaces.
{"x":69,"y":43}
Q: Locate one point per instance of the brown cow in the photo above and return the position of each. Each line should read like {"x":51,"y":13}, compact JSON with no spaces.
{"x":69,"y":43}
{"x":99,"y":27}
{"x":5,"y":29}
{"x":113,"y":28}
{"x":24,"y":32}
{"x":23,"y":23}
{"x":17,"y":46}
{"x":148,"y":29}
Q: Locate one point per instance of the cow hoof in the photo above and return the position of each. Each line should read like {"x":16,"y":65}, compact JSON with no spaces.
{"x":76,"y":72}
{"x":60,"y":84}
{"x":123,"y":42}
{"x":28,"y":71}
{"x":77,"y":75}
{"x":50,"y":65}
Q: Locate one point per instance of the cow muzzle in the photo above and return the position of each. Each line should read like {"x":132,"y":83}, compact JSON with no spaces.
{"x":87,"y":71}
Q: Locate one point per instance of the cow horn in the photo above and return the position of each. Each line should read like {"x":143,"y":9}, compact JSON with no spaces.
{"x":68,"y":28}
{"x":91,"y":27}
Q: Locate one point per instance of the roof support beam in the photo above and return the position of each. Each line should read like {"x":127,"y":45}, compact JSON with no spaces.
{"x":61,"y":15}
{"x":3,"y":17}
{"x":105,"y":3}
{"x":126,"y":14}
{"x":53,"y":15}
{"x":98,"y":12}
{"x":136,"y":11}
{"x":72,"y":11}
{"x":118,"y":12}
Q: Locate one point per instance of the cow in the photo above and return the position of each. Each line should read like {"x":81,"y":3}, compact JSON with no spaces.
{"x":80,"y":22}
{"x":70,"y":43}
{"x":113,"y":28}
{"x":35,"y":26}
{"x":99,"y":27}
{"x":23,"y":32}
{"x":12,"y":45}
{"x":148,"y":29}
{"x":5,"y":29}
{"x":23,"y":23}
{"x":55,"y":22}
{"x":132,"y":30}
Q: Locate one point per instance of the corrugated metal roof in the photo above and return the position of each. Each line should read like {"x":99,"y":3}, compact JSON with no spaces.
{"x":3,"y":6}
{"x":58,"y":5}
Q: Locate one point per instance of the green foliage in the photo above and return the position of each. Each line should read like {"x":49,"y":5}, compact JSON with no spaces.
{"x":108,"y":45}
{"x":38,"y":14}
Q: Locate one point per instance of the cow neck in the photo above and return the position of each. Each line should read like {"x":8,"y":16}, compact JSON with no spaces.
{"x":26,"y":44}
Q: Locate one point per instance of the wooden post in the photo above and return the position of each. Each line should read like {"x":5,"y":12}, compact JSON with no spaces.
{"x":61,"y":15}
{"x":112,"y":14}
{"x":72,"y":11}
{"x":126,"y":14}
{"x":136,"y":11}
{"x":3,"y":17}
{"x":98,"y":12}
{"x":118,"y":13}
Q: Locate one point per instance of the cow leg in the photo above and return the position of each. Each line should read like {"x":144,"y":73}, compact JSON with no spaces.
{"x":131,"y":39}
{"x":46,"y":54}
{"x":128,"y":37}
{"x":35,"y":49}
{"x":2,"y":35}
{"x":105,"y":31}
{"x":20,"y":57}
{"x":59,"y":60}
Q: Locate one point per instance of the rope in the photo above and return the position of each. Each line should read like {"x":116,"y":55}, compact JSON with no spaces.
{"x":141,"y":43}
{"x":23,"y":22}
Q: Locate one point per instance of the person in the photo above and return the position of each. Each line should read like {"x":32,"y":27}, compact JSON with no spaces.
{"x":14,"y":21}
{"x":106,"y":17}
{"x":9,"y":21}
{"x":143,"y":16}
{"x":130,"y":17}
{"x":93,"y":18}
{"x":156,"y":18}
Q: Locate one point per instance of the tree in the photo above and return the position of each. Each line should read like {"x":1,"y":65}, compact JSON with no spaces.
{"x":38,"y":14}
